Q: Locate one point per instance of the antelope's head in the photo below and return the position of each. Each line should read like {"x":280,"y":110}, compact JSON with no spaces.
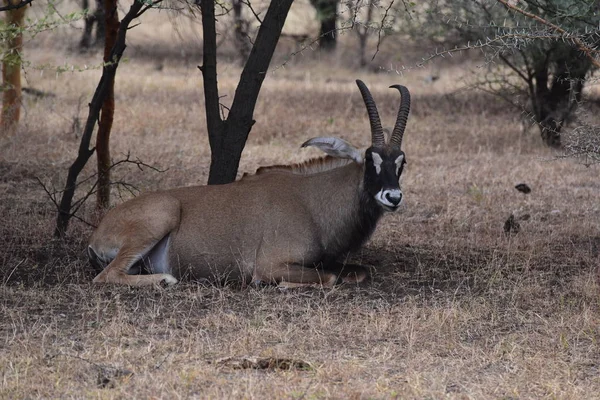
{"x":383,"y":162}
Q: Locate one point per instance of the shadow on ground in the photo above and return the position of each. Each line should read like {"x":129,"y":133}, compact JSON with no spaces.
{"x":31,"y":258}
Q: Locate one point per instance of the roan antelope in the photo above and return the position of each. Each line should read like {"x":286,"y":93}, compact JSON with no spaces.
{"x":286,"y":224}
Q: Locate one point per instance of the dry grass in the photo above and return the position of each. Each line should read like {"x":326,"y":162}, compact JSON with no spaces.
{"x":454,"y":309}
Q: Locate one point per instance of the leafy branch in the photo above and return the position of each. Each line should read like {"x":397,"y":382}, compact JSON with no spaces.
{"x":577,"y":41}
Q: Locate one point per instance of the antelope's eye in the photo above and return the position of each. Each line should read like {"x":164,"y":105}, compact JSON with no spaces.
{"x":377,"y":161}
{"x":399,"y":163}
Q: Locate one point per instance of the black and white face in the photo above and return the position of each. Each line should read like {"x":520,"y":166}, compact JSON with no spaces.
{"x":383,"y":167}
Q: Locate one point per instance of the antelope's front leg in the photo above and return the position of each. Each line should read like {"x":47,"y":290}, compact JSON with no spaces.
{"x":348,"y":273}
{"x":294,"y":275}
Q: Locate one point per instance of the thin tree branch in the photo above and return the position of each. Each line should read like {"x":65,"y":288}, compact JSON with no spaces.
{"x":387,"y":10}
{"x":578,"y":42}
{"x":249,"y":5}
{"x":149,"y":6}
{"x":77,"y":204}
{"x":513,"y":67}
{"x":20,"y":4}
{"x":51,"y":195}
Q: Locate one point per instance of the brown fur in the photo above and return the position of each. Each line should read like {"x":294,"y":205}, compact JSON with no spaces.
{"x":309,"y":167}
{"x":274,"y":227}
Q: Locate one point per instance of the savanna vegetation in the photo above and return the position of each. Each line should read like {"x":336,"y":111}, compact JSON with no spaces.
{"x":477,"y":290}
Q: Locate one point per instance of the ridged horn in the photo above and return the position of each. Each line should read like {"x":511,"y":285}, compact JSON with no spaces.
{"x":377,"y":137}
{"x":398,"y":132}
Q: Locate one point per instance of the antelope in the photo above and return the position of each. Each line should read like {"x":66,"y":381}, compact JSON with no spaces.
{"x":287,"y":225}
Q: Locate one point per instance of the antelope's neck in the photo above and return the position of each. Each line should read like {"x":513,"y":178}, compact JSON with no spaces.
{"x":346,"y":215}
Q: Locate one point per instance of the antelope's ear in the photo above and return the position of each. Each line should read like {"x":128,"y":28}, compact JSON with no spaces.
{"x":335,"y":147}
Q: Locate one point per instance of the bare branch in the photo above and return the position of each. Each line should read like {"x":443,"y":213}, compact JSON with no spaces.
{"x":406,"y":8}
{"x":249,"y":5}
{"x":132,"y":189}
{"x":149,"y":6}
{"x":387,"y":10}
{"x":139,"y":163}
{"x":513,"y":67}
{"x":51,"y":195}
{"x":77,"y":204}
{"x":88,"y":223}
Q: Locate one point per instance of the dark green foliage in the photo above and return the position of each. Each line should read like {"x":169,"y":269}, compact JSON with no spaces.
{"x":541,"y":46}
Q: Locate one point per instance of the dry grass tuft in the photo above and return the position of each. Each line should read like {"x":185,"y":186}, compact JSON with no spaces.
{"x":455,"y":307}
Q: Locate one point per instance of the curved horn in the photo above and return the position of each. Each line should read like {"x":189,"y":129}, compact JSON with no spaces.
{"x":398,"y":132}
{"x":377,"y":138}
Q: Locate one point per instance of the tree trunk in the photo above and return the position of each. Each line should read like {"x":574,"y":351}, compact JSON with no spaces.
{"x":108,"y":75}
{"x":86,"y":38}
{"x":111,"y":23}
{"x":362,"y":48}
{"x":363,"y":35}
{"x":11,"y":69}
{"x":97,"y":18}
{"x":327,"y":14}
{"x":556,"y":100}
{"x":101,"y":27}
{"x":242,"y":41}
{"x":228,"y":138}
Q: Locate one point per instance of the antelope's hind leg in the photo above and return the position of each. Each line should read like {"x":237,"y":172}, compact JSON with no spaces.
{"x":154,"y":258}
{"x":136,"y":235}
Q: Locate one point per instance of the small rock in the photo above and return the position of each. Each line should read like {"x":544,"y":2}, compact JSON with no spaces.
{"x":523,"y":188}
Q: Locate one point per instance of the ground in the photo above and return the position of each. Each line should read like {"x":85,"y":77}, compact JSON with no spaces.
{"x":455,"y":306}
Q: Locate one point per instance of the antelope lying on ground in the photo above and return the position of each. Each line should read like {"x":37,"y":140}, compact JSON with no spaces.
{"x":287,"y":224}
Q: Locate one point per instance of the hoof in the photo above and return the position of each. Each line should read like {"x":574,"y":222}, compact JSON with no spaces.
{"x":354,"y":274}
{"x":168,"y":280}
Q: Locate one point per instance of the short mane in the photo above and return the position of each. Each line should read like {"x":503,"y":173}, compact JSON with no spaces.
{"x":309,"y":167}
